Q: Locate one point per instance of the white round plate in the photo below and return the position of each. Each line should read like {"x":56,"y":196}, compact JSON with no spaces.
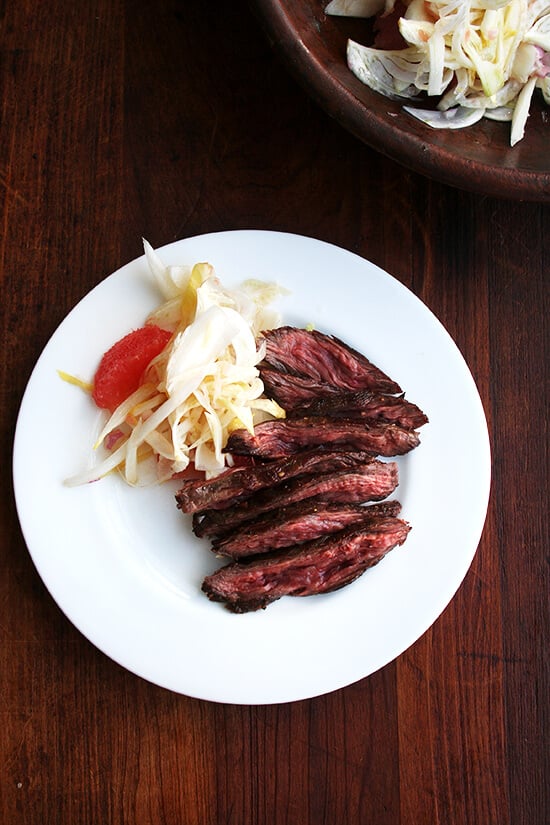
{"x":123,"y":564}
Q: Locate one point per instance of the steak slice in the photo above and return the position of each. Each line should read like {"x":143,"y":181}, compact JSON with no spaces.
{"x":372,"y":482}
{"x":239,"y":483}
{"x":279,"y":438}
{"x":364,"y":405}
{"x":316,"y":567}
{"x":323,"y":358}
{"x":290,"y":391}
{"x":298,"y":523}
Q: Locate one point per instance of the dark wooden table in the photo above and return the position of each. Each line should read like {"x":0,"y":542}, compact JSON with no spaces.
{"x":165,"y":120}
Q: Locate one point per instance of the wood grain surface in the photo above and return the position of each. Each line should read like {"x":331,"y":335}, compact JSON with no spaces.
{"x":169,"y":119}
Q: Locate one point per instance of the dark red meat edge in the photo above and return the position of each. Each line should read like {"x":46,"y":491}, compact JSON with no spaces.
{"x":298,"y":523}
{"x":372,"y":482}
{"x":323,"y":358}
{"x":320,"y":566}
{"x":280,"y":438}
{"x":366,"y":406}
{"x":239,"y":483}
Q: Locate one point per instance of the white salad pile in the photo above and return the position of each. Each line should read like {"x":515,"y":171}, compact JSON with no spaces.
{"x":480,"y":59}
{"x":204,"y":384}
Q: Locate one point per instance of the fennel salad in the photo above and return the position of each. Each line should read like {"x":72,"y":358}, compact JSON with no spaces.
{"x":175,"y":388}
{"x":476,"y":59}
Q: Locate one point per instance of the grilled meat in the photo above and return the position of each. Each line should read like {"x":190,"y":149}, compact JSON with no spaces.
{"x":319,"y":566}
{"x":364,"y":405}
{"x":298,"y":523}
{"x":323,"y":358}
{"x":290,"y":391}
{"x":371,"y":482}
{"x":239,"y":483}
{"x":279,"y":438}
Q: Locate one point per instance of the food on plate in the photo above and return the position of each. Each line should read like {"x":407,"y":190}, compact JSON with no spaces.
{"x":372,"y":481}
{"x":363,"y":405}
{"x":123,"y":365}
{"x":276,"y":439}
{"x":475,"y":59}
{"x":320,"y":566}
{"x":239,"y":483}
{"x":285,"y":430}
{"x":324,"y":359}
{"x":178,"y":385}
{"x":301,"y":520}
{"x":296,"y":524}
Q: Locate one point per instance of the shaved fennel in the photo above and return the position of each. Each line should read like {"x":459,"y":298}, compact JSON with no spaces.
{"x":204,"y":384}
{"x":489,"y":56}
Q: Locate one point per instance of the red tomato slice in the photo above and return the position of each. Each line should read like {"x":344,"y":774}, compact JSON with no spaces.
{"x":122,"y":367}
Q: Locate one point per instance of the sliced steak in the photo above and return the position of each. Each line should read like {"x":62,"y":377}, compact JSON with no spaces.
{"x":323,"y":358}
{"x":290,"y":391}
{"x":372,"y":482}
{"x":298,"y":523}
{"x":316,"y":567}
{"x":239,"y":483}
{"x":364,"y":405}
{"x":279,"y":438}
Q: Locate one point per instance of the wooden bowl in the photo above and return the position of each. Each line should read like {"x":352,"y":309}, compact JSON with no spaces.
{"x":478,"y":158}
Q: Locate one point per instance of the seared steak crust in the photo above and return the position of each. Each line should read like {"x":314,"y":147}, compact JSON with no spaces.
{"x":319,"y":566}
{"x":233,"y":485}
{"x":364,"y":405}
{"x":372,"y":482}
{"x":298,"y":523}
{"x":325,"y":359}
{"x":279,"y":438}
{"x":290,"y":391}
